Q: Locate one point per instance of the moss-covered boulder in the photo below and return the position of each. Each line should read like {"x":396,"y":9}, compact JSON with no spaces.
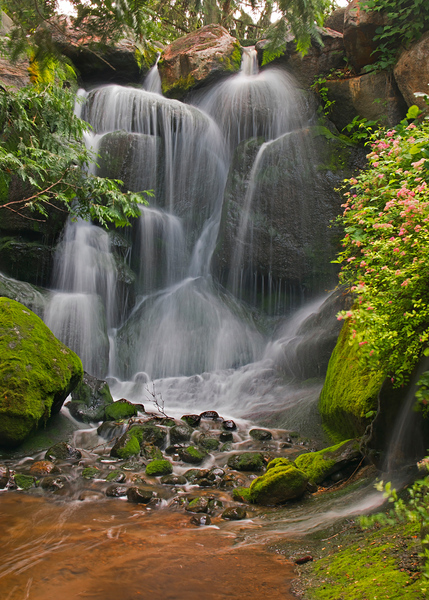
{"x":90,"y":398}
{"x":246,"y":461}
{"x":157,"y":468}
{"x":37,"y":372}
{"x":128,"y":444}
{"x":350,"y":391}
{"x":121,"y":409}
{"x":319,"y":466}
{"x":192,"y":455}
{"x":279,"y":484}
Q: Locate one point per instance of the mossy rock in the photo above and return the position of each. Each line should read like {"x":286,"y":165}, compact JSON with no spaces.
{"x":241,"y":494}
{"x":180,"y":433}
{"x":261,"y":435}
{"x":151,"y":452}
{"x":90,"y":399}
{"x":24,"y":482}
{"x":247,"y":461}
{"x":91,"y":473}
{"x":116,"y":476}
{"x":208,"y":443}
{"x":37,"y":372}
{"x":128,"y":444}
{"x":159,"y":467}
{"x":192,"y":455}
{"x":277,"y":462}
{"x":277,"y":485}
{"x":119,"y":410}
{"x":151,"y":434}
{"x":318,"y":466}
{"x":350,"y":391}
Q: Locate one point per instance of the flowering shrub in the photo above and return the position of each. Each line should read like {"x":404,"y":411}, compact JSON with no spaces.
{"x":385,"y":255}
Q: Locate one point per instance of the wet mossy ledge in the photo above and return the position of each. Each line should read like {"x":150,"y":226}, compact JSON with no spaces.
{"x":37,"y":372}
{"x":350,"y":392}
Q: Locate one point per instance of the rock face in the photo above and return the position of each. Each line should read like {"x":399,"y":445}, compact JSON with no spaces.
{"x":412,"y":71}
{"x":197,"y":58}
{"x":359,"y":31}
{"x":335,"y":20}
{"x":374,"y":96}
{"x":37,"y":372}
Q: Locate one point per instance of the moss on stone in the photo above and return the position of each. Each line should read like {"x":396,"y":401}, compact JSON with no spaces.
{"x":24,"y":482}
{"x":318,"y":465}
{"x":37,"y":372}
{"x":277,"y":485}
{"x":247,"y":461}
{"x":180,"y":85}
{"x":241,"y":494}
{"x":90,"y":473}
{"x":159,"y":467}
{"x":277,"y":462}
{"x":349,"y":393}
{"x":122,"y":409}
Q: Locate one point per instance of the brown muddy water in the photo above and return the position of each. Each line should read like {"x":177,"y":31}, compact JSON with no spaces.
{"x":112,"y":550}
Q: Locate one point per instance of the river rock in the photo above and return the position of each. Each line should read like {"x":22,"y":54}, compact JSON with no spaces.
{"x":53,"y":484}
{"x":91,"y":473}
{"x":159,"y":467}
{"x":200,"y":520}
{"x":110,"y":429}
{"x":192,"y":455}
{"x":89,"y":399}
{"x":150,"y":452}
{"x":37,"y":372}
{"x":4,"y":476}
{"x":174,"y":480}
{"x":116,"y":491}
{"x":128,"y":444}
{"x":210,"y":414}
{"x":192,"y":420}
{"x":63,"y":451}
{"x":139,"y":495}
{"x":319,"y":466}
{"x":279,"y":484}
{"x":29,"y":295}
{"x":194,"y":475}
{"x":24,"y":482}
{"x":226,"y":436}
{"x":412,"y":71}
{"x":42,"y":468}
{"x":197,"y":59}
{"x":261,"y":435}
{"x":180,"y":433}
{"x":359,"y":32}
{"x":208,"y":442}
{"x":121,"y":409}
{"x":374,"y":96}
{"x":199,"y":505}
{"x":234,"y":513}
{"x":247,"y":461}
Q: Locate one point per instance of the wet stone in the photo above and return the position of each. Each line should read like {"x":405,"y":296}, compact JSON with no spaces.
{"x":226,"y":436}
{"x":193,"y":475}
{"x":210,"y":414}
{"x":174,"y":449}
{"x":121,"y":409}
{"x":261,"y":435}
{"x":180,"y":433}
{"x":173,"y":480}
{"x":192,"y":455}
{"x":139,"y":495}
{"x":52,"y":484}
{"x":151,"y":452}
{"x":24,"y":482}
{"x":43,"y":467}
{"x":110,"y":429}
{"x":4,"y":476}
{"x":216,"y":474}
{"x":205,"y":482}
{"x":91,"y":473}
{"x":192,"y":420}
{"x":229,"y":425}
{"x":208,"y":443}
{"x":159,"y":467}
{"x":63,"y":451}
{"x":234,"y":513}
{"x":116,"y":476}
{"x":152,"y":434}
{"x":199,"y":505}
{"x":116,"y":491}
{"x":200,"y":520}
{"x":247,"y":461}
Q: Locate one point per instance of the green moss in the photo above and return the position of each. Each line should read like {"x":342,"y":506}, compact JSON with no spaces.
{"x":350,"y":391}
{"x":209,"y":444}
{"x":232,"y":63}
{"x":120,"y":410}
{"x":367,"y":569}
{"x":159,"y":467}
{"x":247,"y":461}
{"x":278,"y":484}
{"x":178,"y":86}
{"x":25,"y":482}
{"x":116,"y":475}
{"x":277,"y":462}
{"x":90,"y":473}
{"x":129,"y":445}
{"x":241,"y":494}
{"x":37,"y":372}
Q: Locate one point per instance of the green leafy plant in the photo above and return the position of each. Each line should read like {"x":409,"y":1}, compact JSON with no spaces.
{"x":319,"y":86}
{"x":386,"y":250}
{"x":360,"y":129}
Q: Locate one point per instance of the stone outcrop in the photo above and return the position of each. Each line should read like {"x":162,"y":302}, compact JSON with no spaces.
{"x":198,"y":58}
{"x":335,"y":20}
{"x":374,"y":96}
{"x":412,"y":71}
{"x":37,"y":372}
{"x":359,"y":31}
{"x":331,"y":464}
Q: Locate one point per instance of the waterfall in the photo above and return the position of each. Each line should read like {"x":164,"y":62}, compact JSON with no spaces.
{"x":152,"y":82}
{"x":181,"y":328}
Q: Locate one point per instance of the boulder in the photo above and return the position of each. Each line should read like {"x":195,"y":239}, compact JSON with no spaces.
{"x":280,"y":483}
{"x":90,"y":399}
{"x":359,"y":31}
{"x":374,"y":96}
{"x":30,"y":261}
{"x":319,"y":466}
{"x":30,"y":296}
{"x":157,"y":468}
{"x":247,"y":461}
{"x":15,"y":75}
{"x":192,"y":455}
{"x":37,"y":372}
{"x":198,"y":58}
{"x":412,"y":71}
{"x":335,"y":20}
{"x":63,"y":451}
{"x":121,"y":409}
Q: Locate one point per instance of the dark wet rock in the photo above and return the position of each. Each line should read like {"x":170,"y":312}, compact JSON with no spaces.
{"x":43,"y":467}
{"x":116,"y":491}
{"x":261,"y":435}
{"x":303,"y":559}
{"x":359,"y":34}
{"x":91,"y":473}
{"x":200,"y":520}
{"x":157,"y":468}
{"x":132,"y":465}
{"x":4,"y":476}
{"x":116,"y":476}
{"x":208,"y":443}
{"x":139,"y":495}
{"x":192,"y":420}
{"x":209,"y":414}
{"x":199,"y":505}
{"x":151,"y":452}
{"x":215,"y":474}
{"x":193,"y":475}
{"x":152,"y":434}
{"x":280,"y":483}
{"x":174,"y":480}
{"x":204,"y":482}
{"x":312,"y":487}
{"x":167,"y":422}
{"x":174,"y":449}
{"x":127,"y":445}
{"x":121,"y":409}
{"x":229,"y":425}
{"x":234,"y":513}
{"x":247,"y":461}
{"x":63,"y":451}
{"x":226,"y":436}
{"x":89,"y":399}
{"x":226,"y":447}
{"x":90,"y":496}
{"x":24,"y":482}
{"x":180,"y":434}
{"x":52,"y":484}
{"x":110,"y":429}
{"x":285,"y":445}
{"x":192,"y":455}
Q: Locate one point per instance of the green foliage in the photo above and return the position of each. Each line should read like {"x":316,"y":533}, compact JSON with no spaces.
{"x":41,"y":146}
{"x":360,"y":129}
{"x":319,"y":86}
{"x":386,"y":251}
{"x":405,"y":22}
